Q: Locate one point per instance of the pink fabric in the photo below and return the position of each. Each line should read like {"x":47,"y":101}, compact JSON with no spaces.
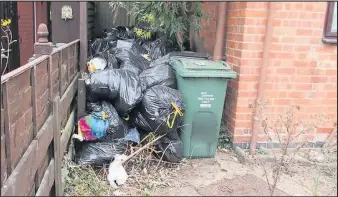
{"x":85,"y":129}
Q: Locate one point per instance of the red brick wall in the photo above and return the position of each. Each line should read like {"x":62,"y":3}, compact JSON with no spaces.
{"x":26,"y":26}
{"x":302,"y":70}
{"x":26,"y":30}
{"x":41,"y":13}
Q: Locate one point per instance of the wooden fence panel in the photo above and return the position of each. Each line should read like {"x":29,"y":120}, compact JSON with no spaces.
{"x":55,"y":73}
{"x":20,"y":121}
{"x":44,"y":138}
{"x":30,"y":121}
{"x":21,"y":180}
{"x":71,"y":70}
{"x":42,"y":93}
{"x":64,"y":70}
{"x":66,"y":100}
{"x":73,"y":60}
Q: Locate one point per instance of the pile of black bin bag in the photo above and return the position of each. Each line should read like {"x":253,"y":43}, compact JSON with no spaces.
{"x":137,"y":90}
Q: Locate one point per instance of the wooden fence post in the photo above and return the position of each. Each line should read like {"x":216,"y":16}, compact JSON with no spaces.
{"x":57,"y":153}
{"x":42,"y":46}
{"x":81,"y":99}
{"x":6,"y":128}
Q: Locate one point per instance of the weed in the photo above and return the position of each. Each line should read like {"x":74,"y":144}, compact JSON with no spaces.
{"x":287,"y":129}
{"x":224,"y":140}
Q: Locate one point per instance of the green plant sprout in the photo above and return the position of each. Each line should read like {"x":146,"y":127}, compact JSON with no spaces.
{"x":5,"y":53}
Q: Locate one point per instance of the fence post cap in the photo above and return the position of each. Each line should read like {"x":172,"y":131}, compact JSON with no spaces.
{"x":42,"y":33}
{"x":42,"y":46}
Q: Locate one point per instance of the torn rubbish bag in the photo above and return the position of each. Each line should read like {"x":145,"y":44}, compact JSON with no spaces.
{"x":99,"y":153}
{"x":161,"y":110}
{"x":118,"y":128}
{"x":118,"y":86}
{"x":170,"y":147}
{"x":162,"y":74}
{"x":93,"y":126}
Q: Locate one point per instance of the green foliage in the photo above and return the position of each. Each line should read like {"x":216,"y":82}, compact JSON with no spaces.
{"x":224,"y":140}
{"x":142,"y":34}
{"x":85,"y":181}
{"x":171,"y":18}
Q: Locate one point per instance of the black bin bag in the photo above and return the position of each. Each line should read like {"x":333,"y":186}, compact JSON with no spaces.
{"x":99,"y":153}
{"x":170,"y":147}
{"x":109,"y":56}
{"x":118,"y":127}
{"x":119,"y":33}
{"x":100,"y":45}
{"x":159,"y":74}
{"x":156,"y":48}
{"x":118,"y":86}
{"x":156,"y":112}
{"x":102,"y":85}
{"x":130,"y":93}
{"x":131,"y":56}
{"x":160,"y":61}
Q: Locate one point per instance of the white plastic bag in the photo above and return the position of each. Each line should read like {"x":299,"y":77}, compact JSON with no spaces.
{"x":97,"y":63}
{"x":117,"y":175}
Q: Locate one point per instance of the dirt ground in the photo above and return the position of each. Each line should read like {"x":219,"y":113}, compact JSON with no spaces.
{"x":225,"y":175}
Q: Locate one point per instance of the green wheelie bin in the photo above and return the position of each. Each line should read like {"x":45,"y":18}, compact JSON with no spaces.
{"x":203,"y":84}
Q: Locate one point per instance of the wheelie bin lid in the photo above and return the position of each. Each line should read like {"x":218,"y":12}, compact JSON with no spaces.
{"x":201,"y":67}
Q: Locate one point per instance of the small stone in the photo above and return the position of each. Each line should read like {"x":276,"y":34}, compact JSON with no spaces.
{"x":145,"y":171}
{"x":118,"y":193}
{"x":317,"y":156}
{"x":235,"y":159}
